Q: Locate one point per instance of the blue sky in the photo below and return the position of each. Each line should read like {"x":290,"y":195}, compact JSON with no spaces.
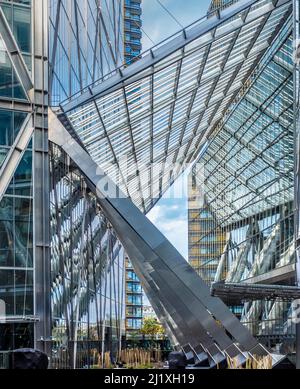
{"x":159,"y":25}
{"x":170,"y":214}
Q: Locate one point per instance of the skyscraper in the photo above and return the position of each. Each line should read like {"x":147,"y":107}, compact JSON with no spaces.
{"x":132,"y":51}
{"x":132,"y":30}
{"x":24,"y":175}
{"x":79,"y":260}
{"x":206,"y":240}
{"x":133,"y":300}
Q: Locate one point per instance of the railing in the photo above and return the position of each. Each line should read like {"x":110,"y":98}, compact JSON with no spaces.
{"x":274,"y":333}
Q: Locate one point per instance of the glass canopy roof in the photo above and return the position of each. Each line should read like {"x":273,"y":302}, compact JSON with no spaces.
{"x":248,"y":165}
{"x":144,"y":123}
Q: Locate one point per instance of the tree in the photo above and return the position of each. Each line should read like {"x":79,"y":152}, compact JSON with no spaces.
{"x":151,"y":327}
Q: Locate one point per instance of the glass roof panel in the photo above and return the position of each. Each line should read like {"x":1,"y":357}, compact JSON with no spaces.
{"x":146,"y":113}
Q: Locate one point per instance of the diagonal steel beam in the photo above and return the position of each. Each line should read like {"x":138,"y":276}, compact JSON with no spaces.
{"x":160,"y":261}
{"x":15,"y":154}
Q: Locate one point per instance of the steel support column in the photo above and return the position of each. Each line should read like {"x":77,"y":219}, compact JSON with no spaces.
{"x":296,"y":5}
{"x":41,"y":175}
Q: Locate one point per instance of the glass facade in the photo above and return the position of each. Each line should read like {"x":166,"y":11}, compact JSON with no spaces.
{"x":87,"y":274}
{"x":16,"y":204}
{"x":85,"y":266}
{"x":227,"y":93}
{"x":221,"y":4}
{"x":86,"y":43}
{"x":246,"y":175}
{"x":87,"y":261}
{"x":206,"y":240}
{"x":18,"y":16}
{"x":162,"y":112}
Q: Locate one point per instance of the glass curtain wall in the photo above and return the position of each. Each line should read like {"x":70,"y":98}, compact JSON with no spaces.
{"x":16,"y":206}
{"x":86,"y":43}
{"x":206,"y":239}
{"x":246,"y":176}
{"x":87,"y":293}
{"x":132,"y":51}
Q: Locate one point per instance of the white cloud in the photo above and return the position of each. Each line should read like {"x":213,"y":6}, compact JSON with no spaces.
{"x":171,"y":220}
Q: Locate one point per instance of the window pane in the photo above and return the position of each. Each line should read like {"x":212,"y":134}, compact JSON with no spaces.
{"x":6,"y":128}
{"x":7,"y":290}
{"x":22,"y":28}
{"x":22,"y":178}
{"x":5,"y":74}
{"x":24,"y":292}
{"x":6,"y":232}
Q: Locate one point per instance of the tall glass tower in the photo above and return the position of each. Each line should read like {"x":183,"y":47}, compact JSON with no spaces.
{"x":206,"y":240}
{"x":132,"y":50}
{"x":24,"y":231}
{"x":61,"y":265}
{"x":132,"y":30}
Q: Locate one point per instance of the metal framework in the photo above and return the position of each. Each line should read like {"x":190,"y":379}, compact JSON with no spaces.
{"x":296,"y":10}
{"x":15,"y":155}
{"x":246,"y":174}
{"x":122,"y":121}
{"x":86,"y":267}
{"x":246,"y":178}
{"x":144,"y":119}
{"x":86,"y":40}
{"x":149,"y":119}
{"x":168,"y":280}
{"x":236,"y":294}
{"x":29,"y":80}
{"x":243,"y":155}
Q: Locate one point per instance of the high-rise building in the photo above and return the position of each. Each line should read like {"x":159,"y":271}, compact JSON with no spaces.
{"x":133,"y":300}
{"x":132,"y":30}
{"x":132,"y":50}
{"x":206,"y":240}
{"x":24,"y":242}
{"x":79,"y":260}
